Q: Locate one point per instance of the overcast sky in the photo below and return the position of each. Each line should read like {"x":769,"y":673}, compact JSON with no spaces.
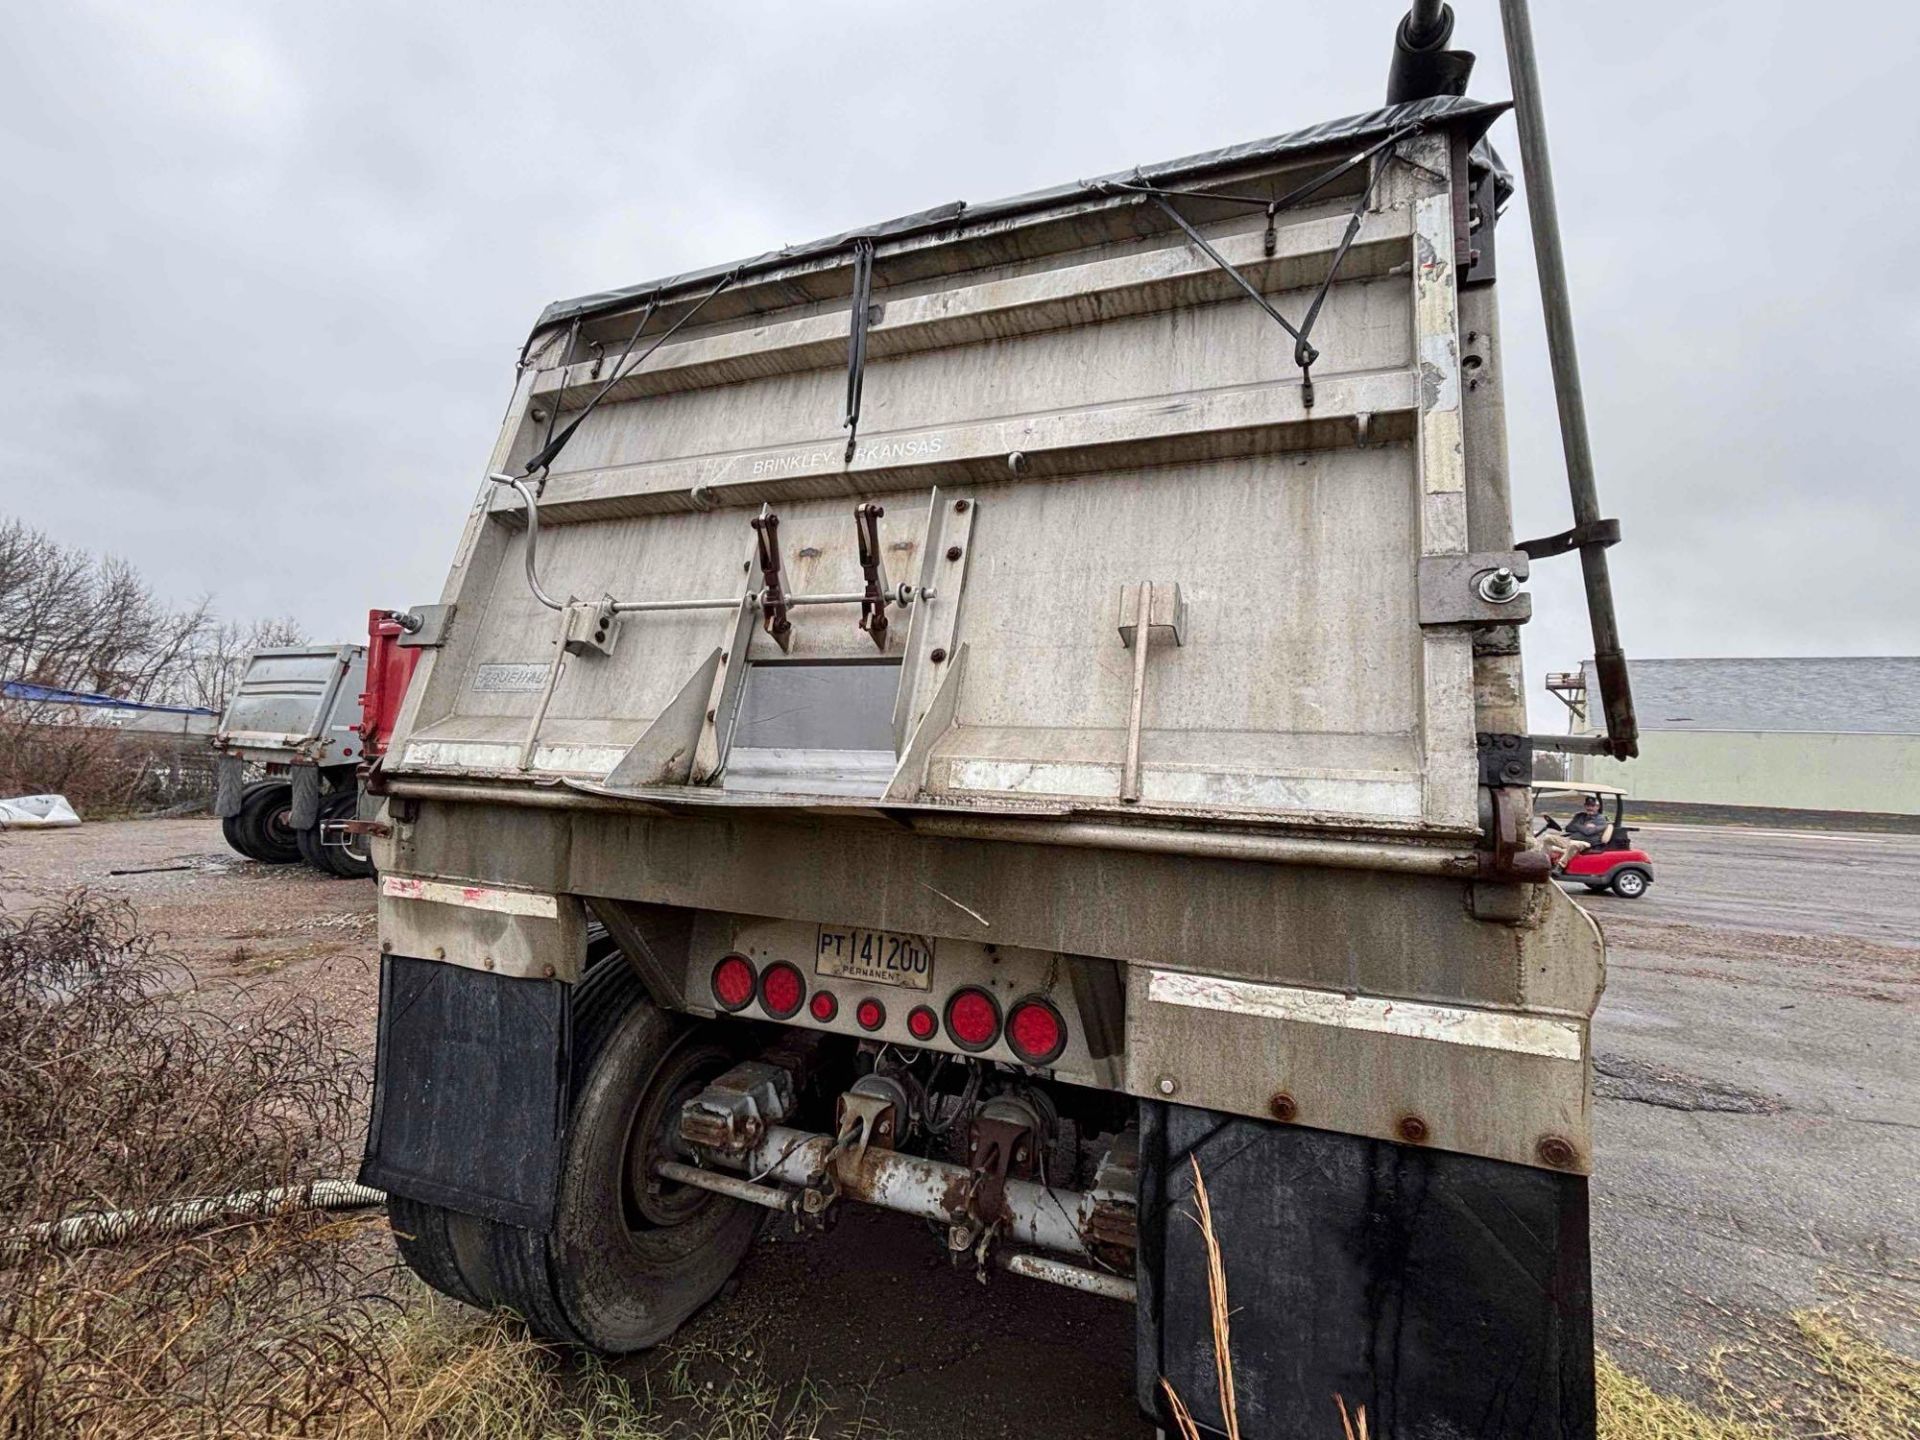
{"x":265,"y":268}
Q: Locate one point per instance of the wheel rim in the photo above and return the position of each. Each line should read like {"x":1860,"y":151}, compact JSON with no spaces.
{"x":276,"y":828}
{"x":653,"y":1135}
{"x":1631,"y":883}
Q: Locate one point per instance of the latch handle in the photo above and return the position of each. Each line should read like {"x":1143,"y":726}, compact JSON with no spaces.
{"x":773,"y":598}
{"x":873,"y":607}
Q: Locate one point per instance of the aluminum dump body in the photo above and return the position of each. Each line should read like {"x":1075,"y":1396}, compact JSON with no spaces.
{"x":1059,"y":405}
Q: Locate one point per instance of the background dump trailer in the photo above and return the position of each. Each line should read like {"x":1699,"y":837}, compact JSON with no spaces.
{"x":295,"y":719}
{"x":313,"y":719}
{"x":1029,"y":694}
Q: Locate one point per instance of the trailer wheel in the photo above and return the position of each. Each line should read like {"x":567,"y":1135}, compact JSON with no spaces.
{"x":230,"y":828}
{"x":425,"y":1236}
{"x":628,"y":1259}
{"x":262,"y":825}
{"x":353,"y":860}
{"x":348,"y":862}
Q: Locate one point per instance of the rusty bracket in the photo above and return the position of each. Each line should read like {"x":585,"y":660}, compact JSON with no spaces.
{"x":997,"y":1148}
{"x":1514,"y":856}
{"x":866,"y":1120}
{"x":378,"y":828}
{"x":773,"y":598}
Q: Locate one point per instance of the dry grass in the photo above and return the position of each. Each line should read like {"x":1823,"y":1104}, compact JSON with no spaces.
{"x":122,"y":1092}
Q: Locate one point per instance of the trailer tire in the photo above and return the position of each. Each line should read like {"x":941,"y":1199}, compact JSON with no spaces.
{"x":262,"y":825}
{"x":354,"y":860}
{"x":230,"y":828}
{"x":425,"y":1236}
{"x":335,"y":860}
{"x":618,"y":1271}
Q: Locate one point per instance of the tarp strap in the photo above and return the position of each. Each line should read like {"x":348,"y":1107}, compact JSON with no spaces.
{"x":857,"y":338}
{"x":1303,"y":352}
{"x":549,"y":452}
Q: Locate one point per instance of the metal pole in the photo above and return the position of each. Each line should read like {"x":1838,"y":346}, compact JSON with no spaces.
{"x":1610,"y":662}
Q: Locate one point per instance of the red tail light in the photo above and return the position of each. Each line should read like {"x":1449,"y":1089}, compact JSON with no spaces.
{"x":823,"y":1006}
{"x":870,"y":1014}
{"x":1035,"y":1031}
{"x":922,"y":1022}
{"x":781,"y":990}
{"x":973,"y":1019}
{"x":733,"y":982}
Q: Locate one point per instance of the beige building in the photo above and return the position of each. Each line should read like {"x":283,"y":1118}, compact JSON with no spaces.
{"x":1831,"y":734}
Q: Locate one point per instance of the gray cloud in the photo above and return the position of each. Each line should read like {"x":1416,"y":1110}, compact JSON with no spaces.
{"x":267,"y":267}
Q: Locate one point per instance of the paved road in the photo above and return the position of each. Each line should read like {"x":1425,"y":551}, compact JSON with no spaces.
{"x":1758,"y":1111}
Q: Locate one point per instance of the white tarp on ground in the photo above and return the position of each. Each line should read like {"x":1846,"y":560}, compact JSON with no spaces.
{"x":36,"y":812}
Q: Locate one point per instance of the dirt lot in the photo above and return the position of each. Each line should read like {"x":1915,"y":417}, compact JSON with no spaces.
{"x":1759,"y":1097}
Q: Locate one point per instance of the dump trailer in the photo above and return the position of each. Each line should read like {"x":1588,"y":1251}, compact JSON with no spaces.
{"x":294,"y":725}
{"x":308,"y":722}
{"x":1008,"y":715}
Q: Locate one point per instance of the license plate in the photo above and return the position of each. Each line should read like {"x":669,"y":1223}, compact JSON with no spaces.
{"x":879,"y":957}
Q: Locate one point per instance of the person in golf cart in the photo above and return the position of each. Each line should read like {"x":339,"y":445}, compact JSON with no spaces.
{"x":1590,"y":827}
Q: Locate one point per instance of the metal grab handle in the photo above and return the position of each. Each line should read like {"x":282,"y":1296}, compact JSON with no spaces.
{"x":533,"y":539}
{"x":1138,"y":635}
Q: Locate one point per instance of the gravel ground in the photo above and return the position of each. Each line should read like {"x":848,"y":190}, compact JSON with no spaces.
{"x":1758,"y":1101}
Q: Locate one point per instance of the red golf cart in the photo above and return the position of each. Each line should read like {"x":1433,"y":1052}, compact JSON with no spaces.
{"x":1616,"y":863}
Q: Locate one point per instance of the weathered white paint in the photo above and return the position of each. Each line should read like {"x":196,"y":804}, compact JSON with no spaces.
{"x":1448,"y":1024}
{"x":472,"y":897}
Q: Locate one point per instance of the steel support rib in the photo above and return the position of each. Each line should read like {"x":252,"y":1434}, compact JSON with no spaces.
{"x":1543,"y":216}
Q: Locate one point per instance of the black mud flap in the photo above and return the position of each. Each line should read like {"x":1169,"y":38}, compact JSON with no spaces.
{"x":1449,"y":1294}
{"x":470,"y":1090}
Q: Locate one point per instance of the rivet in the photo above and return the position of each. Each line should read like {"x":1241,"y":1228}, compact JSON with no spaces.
{"x":953,"y":552}
{"x":960,"y":507}
{"x":1168,"y":1085}
{"x":1413,"y":1129}
{"x":547,"y":970}
{"x":1282,"y":1106}
{"x":1555,"y":1151}
{"x":439,"y":952}
{"x":386,"y":947}
{"x":488,"y":962}
{"x":710,"y":715}
{"x":938,"y":655}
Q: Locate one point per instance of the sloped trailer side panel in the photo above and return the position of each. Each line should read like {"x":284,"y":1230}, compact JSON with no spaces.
{"x":1175,"y":717}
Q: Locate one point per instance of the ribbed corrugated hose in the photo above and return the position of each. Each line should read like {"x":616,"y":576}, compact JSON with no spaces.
{"x":116,"y":1227}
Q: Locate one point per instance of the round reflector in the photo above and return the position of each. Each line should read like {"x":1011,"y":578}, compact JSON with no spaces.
{"x":973,"y":1019}
{"x":733,"y":982}
{"x":922,"y":1022}
{"x":870,"y":1014}
{"x":1035,"y":1031}
{"x":781,"y":990}
{"x":823,"y":1006}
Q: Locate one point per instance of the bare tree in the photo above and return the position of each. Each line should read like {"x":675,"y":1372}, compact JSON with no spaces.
{"x":71,"y":621}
